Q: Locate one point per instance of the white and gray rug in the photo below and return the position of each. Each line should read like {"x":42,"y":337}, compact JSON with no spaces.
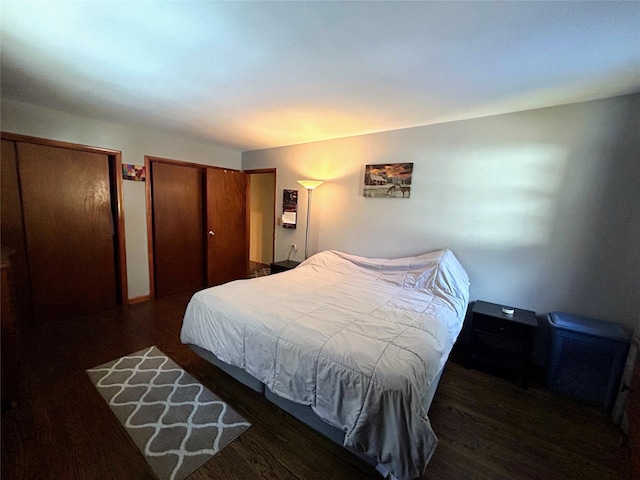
{"x":177,"y":423}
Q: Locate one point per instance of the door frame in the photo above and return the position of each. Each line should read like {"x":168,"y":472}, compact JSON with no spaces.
{"x":117,"y":204}
{"x":275,"y":201}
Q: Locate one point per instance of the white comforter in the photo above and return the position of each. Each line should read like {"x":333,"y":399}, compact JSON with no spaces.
{"x":359,"y":340}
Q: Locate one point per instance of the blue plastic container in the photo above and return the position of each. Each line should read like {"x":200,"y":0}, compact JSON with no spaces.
{"x":586,"y":358}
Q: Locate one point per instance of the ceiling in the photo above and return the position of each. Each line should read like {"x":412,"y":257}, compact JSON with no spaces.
{"x":252,"y":75}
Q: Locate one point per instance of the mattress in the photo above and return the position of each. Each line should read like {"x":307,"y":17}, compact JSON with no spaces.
{"x":358,"y":340}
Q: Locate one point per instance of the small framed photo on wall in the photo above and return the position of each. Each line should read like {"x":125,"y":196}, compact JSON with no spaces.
{"x":133,"y":172}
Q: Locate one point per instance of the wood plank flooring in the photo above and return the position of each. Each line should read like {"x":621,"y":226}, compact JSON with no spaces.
{"x":488,"y":428}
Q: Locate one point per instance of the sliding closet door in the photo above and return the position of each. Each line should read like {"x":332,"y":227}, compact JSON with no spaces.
{"x":228,"y":239}
{"x":69,"y":230}
{"x":12,"y":232}
{"x":178,"y":228}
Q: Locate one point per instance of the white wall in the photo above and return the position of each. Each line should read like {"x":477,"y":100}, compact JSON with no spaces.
{"x":134,"y":143}
{"x":541,"y":207}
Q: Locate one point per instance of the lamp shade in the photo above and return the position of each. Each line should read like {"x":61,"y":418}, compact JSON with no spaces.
{"x":310,"y":184}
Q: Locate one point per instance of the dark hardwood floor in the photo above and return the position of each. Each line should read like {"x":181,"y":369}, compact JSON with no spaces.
{"x":488,"y":428}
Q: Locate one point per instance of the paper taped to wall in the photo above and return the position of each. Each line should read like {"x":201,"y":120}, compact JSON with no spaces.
{"x":289,"y":218}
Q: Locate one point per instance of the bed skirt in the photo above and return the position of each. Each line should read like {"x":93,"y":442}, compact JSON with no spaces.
{"x":304,"y":413}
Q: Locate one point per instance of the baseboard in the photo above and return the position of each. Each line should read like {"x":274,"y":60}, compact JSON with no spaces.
{"x":143,"y":298}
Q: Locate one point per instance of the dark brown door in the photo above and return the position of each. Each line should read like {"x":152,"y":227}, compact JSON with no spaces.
{"x":178,"y":228}
{"x":69,"y":230}
{"x":228,"y":239}
{"x":12,"y":231}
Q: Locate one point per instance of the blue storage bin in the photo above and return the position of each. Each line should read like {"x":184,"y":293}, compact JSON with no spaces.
{"x":586,"y":358}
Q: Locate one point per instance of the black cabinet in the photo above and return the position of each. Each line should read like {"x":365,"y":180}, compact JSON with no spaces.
{"x":277,"y":267}
{"x":502,"y":340}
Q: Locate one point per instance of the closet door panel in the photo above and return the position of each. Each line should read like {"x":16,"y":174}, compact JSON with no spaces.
{"x":228,"y":247}
{"x":69,"y":230}
{"x":12,"y":230}
{"x":11,"y":207}
{"x":178,"y":228}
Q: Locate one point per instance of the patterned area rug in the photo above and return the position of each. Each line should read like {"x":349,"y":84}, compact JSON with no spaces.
{"x":177,"y":423}
{"x":260,"y":272}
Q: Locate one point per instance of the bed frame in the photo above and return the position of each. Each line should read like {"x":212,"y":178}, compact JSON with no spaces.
{"x":303,"y":413}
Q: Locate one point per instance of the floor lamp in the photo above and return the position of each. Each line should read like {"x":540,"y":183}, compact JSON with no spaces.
{"x":310,"y":185}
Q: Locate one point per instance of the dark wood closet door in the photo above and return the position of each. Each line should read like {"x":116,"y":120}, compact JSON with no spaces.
{"x":178,"y":228}
{"x":69,"y":230}
{"x":12,"y":231}
{"x":228,"y":247}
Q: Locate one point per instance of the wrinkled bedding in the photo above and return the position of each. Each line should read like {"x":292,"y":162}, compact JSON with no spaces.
{"x":357,"y":339}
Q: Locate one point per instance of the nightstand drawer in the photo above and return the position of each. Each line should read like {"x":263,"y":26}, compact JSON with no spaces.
{"x":502,"y":328}
{"x":502,"y":343}
{"x":502,"y":340}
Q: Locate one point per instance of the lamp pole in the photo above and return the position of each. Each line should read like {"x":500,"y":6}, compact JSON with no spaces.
{"x":306,"y":237}
{"x":309,"y":185}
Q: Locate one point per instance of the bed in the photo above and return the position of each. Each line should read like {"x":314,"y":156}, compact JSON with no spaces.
{"x":353,"y":346}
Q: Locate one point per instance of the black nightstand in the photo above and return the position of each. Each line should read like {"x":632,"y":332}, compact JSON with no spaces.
{"x":277,"y":267}
{"x":501,"y":340}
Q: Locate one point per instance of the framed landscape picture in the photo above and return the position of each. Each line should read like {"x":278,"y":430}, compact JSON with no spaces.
{"x":388,"y":180}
